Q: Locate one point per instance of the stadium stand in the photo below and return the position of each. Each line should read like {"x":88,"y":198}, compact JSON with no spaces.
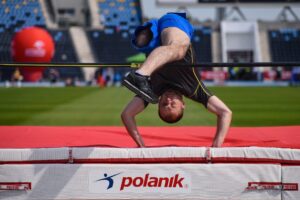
{"x":202,"y":44}
{"x":19,"y":14}
{"x":5,"y":40}
{"x":120,"y":13}
{"x":110,"y":45}
{"x":284,"y":45}
{"x":119,"y":17}
{"x":15,"y":15}
{"x":5,"y":56}
{"x":64,"y":48}
{"x":65,"y":52}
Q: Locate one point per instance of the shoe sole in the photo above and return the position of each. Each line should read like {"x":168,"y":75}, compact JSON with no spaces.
{"x":142,"y":94}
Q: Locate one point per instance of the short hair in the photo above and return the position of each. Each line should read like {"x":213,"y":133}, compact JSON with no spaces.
{"x":148,"y":28}
{"x":170,"y":118}
{"x":150,"y":34}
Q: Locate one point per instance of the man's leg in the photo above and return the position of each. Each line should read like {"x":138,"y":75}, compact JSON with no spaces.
{"x":224,"y":115}
{"x":175,"y":43}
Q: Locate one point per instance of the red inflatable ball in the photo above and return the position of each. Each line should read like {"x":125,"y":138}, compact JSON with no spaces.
{"x":32,"y":44}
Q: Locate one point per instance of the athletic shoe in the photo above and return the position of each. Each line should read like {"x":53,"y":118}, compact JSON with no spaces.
{"x":141,"y":86}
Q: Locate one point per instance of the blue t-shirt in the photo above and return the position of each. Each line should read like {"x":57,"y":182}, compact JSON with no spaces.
{"x":157,"y":26}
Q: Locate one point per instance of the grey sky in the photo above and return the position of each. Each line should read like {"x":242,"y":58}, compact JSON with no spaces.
{"x":267,"y":12}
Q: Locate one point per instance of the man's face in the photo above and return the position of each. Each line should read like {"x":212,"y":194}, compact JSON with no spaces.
{"x":171,"y":104}
{"x":143,"y":37}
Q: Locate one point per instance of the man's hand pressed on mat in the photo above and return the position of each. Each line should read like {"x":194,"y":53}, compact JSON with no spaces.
{"x":167,"y":42}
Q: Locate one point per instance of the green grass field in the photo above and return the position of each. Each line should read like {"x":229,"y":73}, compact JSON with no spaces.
{"x":251,"y":106}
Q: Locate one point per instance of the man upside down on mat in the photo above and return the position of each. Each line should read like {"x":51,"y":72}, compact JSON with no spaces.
{"x":167,"y":42}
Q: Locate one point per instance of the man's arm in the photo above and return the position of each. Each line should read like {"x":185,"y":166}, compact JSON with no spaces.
{"x":134,"y":107}
{"x":224,"y":115}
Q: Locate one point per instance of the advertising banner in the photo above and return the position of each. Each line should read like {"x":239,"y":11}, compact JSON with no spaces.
{"x":143,"y":181}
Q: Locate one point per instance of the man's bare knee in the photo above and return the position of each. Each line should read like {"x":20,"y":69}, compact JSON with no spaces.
{"x":176,"y":41}
{"x":177,"y":52}
{"x":226,"y":112}
{"x":182,"y":49}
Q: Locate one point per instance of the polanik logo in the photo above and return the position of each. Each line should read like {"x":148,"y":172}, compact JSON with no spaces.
{"x":109,"y":180}
{"x":139,"y":181}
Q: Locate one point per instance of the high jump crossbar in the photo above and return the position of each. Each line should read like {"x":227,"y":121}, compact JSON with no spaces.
{"x":136,"y":65}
